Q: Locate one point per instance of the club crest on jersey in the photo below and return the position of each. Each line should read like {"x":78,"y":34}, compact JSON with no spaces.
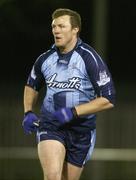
{"x":104,"y":79}
{"x":72,"y":83}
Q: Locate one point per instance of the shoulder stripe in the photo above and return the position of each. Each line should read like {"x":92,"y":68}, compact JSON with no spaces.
{"x":91,"y":53}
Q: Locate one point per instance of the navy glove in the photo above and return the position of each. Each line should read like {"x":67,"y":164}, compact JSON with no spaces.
{"x":30,"y":122}
{"x":65,"y":115}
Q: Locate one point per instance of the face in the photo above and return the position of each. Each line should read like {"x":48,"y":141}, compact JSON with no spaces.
{"x":64,"y":36}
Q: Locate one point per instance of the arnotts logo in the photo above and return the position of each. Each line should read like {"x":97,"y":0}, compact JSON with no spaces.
{"x":73,"y":83}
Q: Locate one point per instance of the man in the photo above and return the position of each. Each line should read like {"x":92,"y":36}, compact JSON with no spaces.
{"x":78,"y":85}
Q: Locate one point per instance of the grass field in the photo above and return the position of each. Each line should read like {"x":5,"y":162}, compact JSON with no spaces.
{"x":95,"y":170}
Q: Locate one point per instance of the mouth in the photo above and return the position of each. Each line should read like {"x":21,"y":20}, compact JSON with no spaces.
{"x":57,"y":38}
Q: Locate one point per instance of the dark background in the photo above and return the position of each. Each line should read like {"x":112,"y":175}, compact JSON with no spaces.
{"x":25,"y":33}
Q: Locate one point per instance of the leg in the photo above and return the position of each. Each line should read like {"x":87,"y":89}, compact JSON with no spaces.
{"x":51,"y":154}
{"x":80,"y":147}
{"x":71,"y":172}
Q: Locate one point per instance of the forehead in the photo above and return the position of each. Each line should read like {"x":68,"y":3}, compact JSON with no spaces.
{"x":61,"y":20}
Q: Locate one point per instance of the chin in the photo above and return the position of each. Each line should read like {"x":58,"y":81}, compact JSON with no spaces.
{"x":59,"y":45}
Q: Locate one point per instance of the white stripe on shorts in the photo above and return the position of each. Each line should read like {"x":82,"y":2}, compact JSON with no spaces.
{"x":93,"y":139}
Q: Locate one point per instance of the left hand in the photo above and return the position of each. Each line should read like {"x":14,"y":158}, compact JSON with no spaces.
{"x":65,"y":115}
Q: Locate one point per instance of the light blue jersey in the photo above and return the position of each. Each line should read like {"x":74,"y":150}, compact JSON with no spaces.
{"x":71,"y":79}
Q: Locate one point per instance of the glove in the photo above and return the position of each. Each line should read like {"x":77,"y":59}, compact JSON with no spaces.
{"x":65,"y":115}
{"x":30,"y":122}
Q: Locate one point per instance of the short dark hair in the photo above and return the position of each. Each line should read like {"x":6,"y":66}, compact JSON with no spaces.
{"x":75,"y":17}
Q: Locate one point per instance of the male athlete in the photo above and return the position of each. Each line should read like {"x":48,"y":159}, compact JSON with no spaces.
{"x":78,"y":85}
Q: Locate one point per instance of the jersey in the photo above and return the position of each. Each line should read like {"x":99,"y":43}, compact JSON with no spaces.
{"x":71,"y":79}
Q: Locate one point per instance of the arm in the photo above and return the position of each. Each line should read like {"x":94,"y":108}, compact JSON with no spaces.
{"x":34,"y":83}
{"x":94,"y":106}
{"x":101,"y":79}
{"x":30,"y":121}
{"x":30,"y":98}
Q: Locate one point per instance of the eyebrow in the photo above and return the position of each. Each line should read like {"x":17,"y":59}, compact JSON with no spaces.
{"x":60,"y":24}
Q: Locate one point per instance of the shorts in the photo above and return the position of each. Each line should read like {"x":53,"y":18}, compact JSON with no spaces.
{"x":79,"y":146}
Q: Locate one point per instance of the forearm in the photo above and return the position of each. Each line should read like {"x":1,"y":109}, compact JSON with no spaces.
{"x":94,"y":106}
{"x":30,"y":98}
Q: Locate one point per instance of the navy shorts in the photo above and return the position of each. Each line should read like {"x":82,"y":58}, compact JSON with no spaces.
{"x":79,"y":146}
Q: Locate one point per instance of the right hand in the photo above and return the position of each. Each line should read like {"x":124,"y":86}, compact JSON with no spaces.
{"x":30,"y":122}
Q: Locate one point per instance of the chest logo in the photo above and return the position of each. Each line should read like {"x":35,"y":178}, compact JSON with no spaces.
{"x":71,"y":83}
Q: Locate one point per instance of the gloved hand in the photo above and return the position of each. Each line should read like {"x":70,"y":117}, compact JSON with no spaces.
{"x":65,"y":115}
{"x":30,"y":122}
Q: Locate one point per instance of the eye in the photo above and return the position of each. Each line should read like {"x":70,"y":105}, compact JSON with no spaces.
{"x":62,"y":26}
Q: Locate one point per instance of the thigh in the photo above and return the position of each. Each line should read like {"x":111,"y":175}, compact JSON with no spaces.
{"x":51,"y":154}
{"x":71,"y":172}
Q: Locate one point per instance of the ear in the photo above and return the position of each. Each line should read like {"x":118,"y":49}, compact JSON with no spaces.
{"x":76,"y":30}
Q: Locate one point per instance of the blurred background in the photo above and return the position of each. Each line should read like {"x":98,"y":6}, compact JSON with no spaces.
{"x":25,"y":32}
